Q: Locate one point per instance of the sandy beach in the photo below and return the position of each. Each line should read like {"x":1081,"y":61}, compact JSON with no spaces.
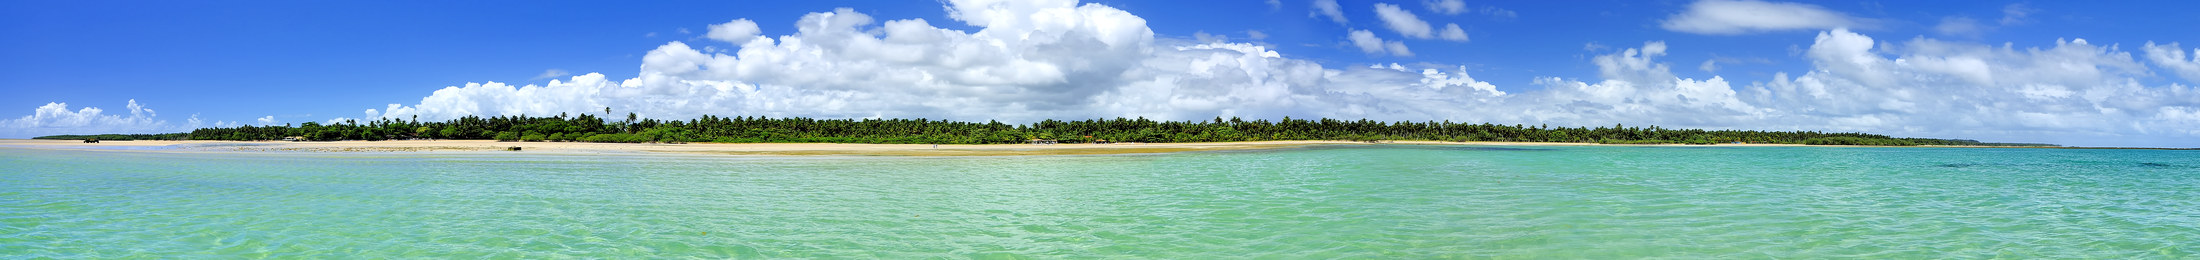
{"x":769,"y":149}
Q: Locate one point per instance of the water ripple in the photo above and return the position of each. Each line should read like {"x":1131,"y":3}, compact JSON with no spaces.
{"x":1329,"y":202}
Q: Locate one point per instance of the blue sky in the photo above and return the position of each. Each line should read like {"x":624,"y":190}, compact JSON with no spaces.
{"x":1989,"y":70}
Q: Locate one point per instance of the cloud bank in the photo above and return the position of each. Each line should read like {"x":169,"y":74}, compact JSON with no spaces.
{"x":58,"y":119}
{"x":1036,"y":60}
{"x":2170,"y":57}
{"x":1033,"y":60}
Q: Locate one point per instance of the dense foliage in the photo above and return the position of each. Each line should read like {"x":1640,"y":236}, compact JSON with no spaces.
{"x":589,"y":128}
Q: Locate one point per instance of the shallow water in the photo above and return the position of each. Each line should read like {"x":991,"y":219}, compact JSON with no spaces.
{"x":1389,"y":201}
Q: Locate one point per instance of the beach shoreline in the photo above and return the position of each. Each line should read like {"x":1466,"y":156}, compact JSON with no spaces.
{"x":730,"y":149}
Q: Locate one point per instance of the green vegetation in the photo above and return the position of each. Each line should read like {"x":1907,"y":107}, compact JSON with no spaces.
{"x":589,"y":128}
{"x":1655,"y":141}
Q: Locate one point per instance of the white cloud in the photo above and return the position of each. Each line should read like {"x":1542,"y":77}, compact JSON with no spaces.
{"x":1403,"y":22}
{"x":1709,"y":66}
{"x":1440,"y":80}
{"x":1367,"y":42}
{"x":2171,"y":57}
{"x":1636,"y":89}
{"x":1397,"y":49}
{"x":1328,"y":8}
{"x":1069,"y":61}
{"x":56,"y":119}
{"x":1453,"y":33}
{"x":1202,"y":36}
{"x":737,"y":31}
{"x":1728,"y":17}
{"x":1446,"y":6}
{"x":1959,"y":26}
{"x":268,"y":121}
{"x":343,"y":121}
{"x":1038,"y":60}
{"x":1500,"y":14}
{"x":1255,"y":35}
{"x":552,"y":73}
{"x":1275,"y":4}
{"x":2015,"y":14}
{"x":1594,"y":47}
{"x":2073,"y":92}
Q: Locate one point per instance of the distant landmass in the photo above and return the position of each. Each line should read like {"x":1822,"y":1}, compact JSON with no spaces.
{"x":589,"y":128}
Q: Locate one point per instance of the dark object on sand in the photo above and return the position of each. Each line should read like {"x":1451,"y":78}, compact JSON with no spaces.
{"x":92,"y":140}
{"x":514,"y":148}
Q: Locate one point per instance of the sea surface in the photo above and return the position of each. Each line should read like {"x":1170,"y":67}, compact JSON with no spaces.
{"x":1352,"y":201}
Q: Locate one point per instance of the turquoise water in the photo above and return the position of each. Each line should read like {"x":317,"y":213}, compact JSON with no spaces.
{"x":1389,"y":201}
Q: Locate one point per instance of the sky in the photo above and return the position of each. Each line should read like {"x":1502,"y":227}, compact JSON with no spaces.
{"x":2063,"y":72}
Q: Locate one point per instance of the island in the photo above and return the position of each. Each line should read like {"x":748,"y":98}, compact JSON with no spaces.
{"x":800,"y":136}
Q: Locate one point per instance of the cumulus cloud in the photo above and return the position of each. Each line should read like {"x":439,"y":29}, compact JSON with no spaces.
{"x":56,"y":119}
{"x":1404,"y":22}
{"x":1727,"y":17}
{"x":737,"y":31}
{"x":1093,"y":61}
{"x":1028,"y":60}
{"x":2073,"y":92}
{"x":2173,"y":58}
{"x":268,"y":121}
{"x":1446,"y":6}
{"x":1328,"y":8}
{"x":1032,"y":60}
{"x":1367,"y":42}
{"x":1452,"y":32}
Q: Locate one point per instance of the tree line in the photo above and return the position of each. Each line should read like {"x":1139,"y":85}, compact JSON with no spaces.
{"x":751,"y":129}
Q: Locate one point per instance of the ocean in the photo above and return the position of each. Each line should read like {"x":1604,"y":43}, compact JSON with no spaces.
{"x":1337,"y":201}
